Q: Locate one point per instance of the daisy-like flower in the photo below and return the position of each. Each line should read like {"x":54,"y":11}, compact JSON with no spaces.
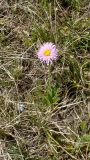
{"x":47,"y":53}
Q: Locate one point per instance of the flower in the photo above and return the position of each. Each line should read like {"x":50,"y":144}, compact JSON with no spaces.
{"x":47,"y":53}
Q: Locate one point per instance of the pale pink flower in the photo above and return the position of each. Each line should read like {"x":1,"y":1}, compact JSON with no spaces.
{"x":47,"y":52}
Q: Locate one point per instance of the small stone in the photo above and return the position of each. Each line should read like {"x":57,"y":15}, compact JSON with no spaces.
{"x":21,"y":107}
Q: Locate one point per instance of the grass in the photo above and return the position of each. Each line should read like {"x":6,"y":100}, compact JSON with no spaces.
{"x":44,"y":113}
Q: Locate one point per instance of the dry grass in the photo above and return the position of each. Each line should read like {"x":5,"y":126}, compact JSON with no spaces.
{"x":42,"y":116}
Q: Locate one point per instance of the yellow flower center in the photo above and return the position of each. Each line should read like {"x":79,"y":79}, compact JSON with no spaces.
{"x":47,"y":52}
